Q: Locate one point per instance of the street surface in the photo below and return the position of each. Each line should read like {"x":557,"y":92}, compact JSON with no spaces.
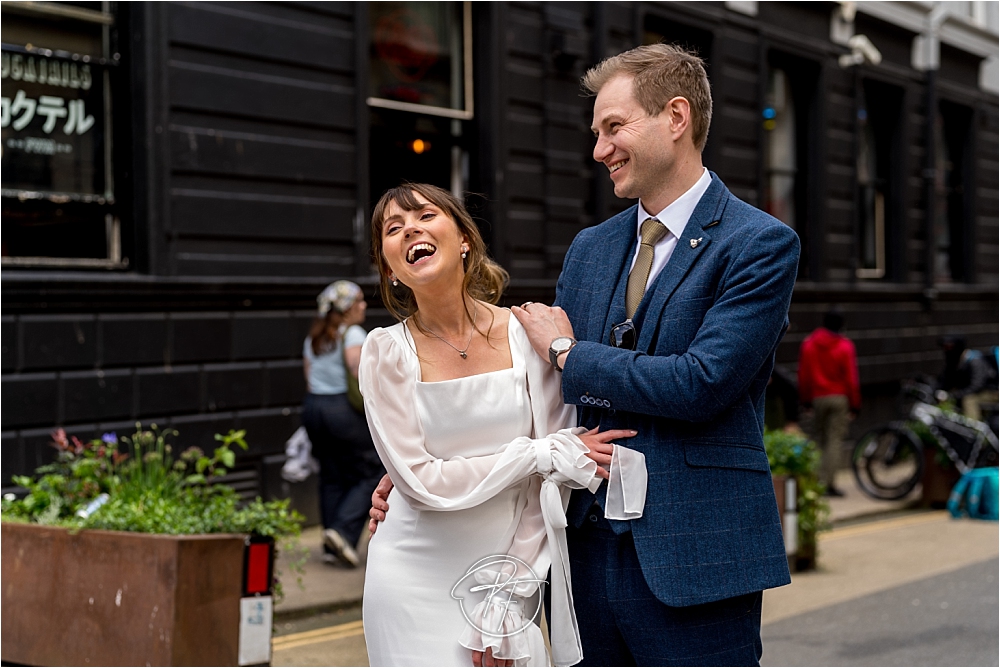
{"x":944,"y":620}
{"x":913,"y":589}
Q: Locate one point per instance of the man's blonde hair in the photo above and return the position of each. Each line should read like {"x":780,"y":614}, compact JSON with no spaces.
{"x":660,"y":72}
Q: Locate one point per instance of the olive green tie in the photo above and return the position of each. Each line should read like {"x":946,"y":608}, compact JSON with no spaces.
{"x":651,"y":232}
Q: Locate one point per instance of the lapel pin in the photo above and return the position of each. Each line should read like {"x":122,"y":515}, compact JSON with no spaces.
{"x":695,"y":242}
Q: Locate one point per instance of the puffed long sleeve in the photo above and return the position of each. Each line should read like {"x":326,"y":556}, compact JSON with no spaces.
{"x":388,"y":373}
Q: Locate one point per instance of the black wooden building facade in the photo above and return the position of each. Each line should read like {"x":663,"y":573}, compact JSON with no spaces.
{"x":245,"y":153}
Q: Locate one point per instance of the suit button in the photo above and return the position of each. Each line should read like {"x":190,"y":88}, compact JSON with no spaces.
{"x":593,"y":518}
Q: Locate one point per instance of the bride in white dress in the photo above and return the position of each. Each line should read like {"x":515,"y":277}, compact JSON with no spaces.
{"x":471,"y":427}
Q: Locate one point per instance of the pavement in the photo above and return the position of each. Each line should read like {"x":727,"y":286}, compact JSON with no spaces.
{"x":325,"y":588}
{"x":891,"y":578}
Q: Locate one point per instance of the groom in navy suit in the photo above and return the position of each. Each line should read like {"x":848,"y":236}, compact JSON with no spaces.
{"x":667,"y":322}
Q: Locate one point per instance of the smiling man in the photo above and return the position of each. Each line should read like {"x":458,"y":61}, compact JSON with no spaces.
{"x":667,"y":321}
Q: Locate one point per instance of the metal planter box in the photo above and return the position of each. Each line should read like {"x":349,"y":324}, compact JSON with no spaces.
{"x":119,"y":599}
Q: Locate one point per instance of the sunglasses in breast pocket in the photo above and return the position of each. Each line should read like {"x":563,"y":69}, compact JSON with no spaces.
{"x":624,"y":335}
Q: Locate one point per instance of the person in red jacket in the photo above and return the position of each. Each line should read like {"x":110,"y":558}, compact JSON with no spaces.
{"x":828,"y":384}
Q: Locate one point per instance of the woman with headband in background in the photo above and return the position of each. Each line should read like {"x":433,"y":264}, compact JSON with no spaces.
{"x":334,"y":419}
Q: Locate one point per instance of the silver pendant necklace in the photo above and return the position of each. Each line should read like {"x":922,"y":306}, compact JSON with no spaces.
{"x":463,"y":353}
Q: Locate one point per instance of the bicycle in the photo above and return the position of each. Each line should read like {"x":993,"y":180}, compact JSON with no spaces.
{"x":888,"y":461}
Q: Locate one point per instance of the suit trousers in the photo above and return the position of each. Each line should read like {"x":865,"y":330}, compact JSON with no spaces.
{"x":829,"y":430}
{"x":623,"y":624}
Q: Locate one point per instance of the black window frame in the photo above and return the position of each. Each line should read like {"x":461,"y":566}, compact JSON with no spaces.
{"x":114,"y":209}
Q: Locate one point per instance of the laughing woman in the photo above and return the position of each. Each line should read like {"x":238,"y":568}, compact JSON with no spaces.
{"x":472,"y":430}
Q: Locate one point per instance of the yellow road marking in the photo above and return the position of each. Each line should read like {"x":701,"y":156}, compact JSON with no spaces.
{"x":293,"y":640}
{"x":883,"y":525}
{"x":351,"y":629}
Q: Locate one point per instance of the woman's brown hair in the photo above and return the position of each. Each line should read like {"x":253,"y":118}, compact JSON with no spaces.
{"x":325,"y":331}
{"x":484,"y":280}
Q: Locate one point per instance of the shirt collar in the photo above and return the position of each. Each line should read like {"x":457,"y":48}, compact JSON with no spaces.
{"x":677,"y":213}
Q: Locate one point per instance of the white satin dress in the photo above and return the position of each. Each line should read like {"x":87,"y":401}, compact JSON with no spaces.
{"x":482,"y":467}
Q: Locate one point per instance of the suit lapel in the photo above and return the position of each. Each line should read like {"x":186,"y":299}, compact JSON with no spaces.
{"x":690,"y":247}
{"x":613,"y":252}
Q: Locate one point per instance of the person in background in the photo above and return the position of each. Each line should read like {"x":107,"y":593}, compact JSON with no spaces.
{"x":828,"y":385}
{"x":969,"y":375}
{"x":349,"y":465}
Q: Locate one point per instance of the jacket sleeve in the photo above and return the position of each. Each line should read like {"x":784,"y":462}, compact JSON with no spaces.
{"x":735,"y":340}
{"x":979,"y":375}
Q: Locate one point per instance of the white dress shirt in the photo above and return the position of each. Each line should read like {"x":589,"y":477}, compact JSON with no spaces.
{"x":675,"y":218}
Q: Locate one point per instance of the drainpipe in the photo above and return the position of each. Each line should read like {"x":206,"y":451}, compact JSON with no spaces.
{"x":927,"y":57}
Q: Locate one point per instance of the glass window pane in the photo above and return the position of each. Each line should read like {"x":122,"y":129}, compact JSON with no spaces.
{"x":779,"y":124}
{"x":52,"y":125}
{"x":417,"y":53}
{"x":58,"y":192}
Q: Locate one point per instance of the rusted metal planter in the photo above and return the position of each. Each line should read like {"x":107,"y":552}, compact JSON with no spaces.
{"x":119,"y":599}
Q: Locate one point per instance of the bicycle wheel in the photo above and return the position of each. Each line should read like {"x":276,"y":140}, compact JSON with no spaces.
{"x":888,"y":463}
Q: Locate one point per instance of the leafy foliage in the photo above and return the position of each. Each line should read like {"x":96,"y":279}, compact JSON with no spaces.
{"x":793,"y":455}
{"x":149,"y":491}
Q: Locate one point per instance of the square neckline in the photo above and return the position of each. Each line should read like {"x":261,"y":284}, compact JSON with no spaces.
{"x":510,"y":347}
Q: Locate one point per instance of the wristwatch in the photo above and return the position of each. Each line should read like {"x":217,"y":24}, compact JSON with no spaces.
{"x":558,"y":347}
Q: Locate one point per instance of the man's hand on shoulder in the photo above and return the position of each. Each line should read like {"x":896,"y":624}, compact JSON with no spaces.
{"x":543,"y":325}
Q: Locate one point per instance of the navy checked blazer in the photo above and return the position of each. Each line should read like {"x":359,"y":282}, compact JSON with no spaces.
{"x":708,"y":326}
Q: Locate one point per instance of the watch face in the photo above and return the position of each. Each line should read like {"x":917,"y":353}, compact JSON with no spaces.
{"x":562,"y":344}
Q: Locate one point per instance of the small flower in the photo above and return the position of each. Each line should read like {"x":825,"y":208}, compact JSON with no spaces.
{"x":151,"y":457}
{"x":59,"y":439}
{"x":192,"y":453}
{"x":110,"y":438}
{"x":10,"y":497}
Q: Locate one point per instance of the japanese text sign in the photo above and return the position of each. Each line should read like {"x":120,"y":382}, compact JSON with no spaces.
{"x":52,"y":120}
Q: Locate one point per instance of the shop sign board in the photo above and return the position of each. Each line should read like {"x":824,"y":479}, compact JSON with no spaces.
{"x":53,"y":125}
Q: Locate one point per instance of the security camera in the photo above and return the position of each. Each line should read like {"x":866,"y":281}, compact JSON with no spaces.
{"x":862,"y":50}
{"x":868,"y":50}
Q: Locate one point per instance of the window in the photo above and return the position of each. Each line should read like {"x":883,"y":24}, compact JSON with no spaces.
{"x":58,"y":189}
{"x":878,"y":112}
{"x":780,"y":125}
{"x":872,"y":189}
{"x":420,"y":90}
{"x":787,"y":118}
{"x":421,"y":55}
{"x":951,"y":210}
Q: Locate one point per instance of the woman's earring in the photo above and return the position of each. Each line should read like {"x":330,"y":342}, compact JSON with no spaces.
{"x":465,"y":251}
{"x":393,"y":279}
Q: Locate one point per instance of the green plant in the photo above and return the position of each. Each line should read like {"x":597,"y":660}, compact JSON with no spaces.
{"x":145,"y":489}
{"x":795,"y":456}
